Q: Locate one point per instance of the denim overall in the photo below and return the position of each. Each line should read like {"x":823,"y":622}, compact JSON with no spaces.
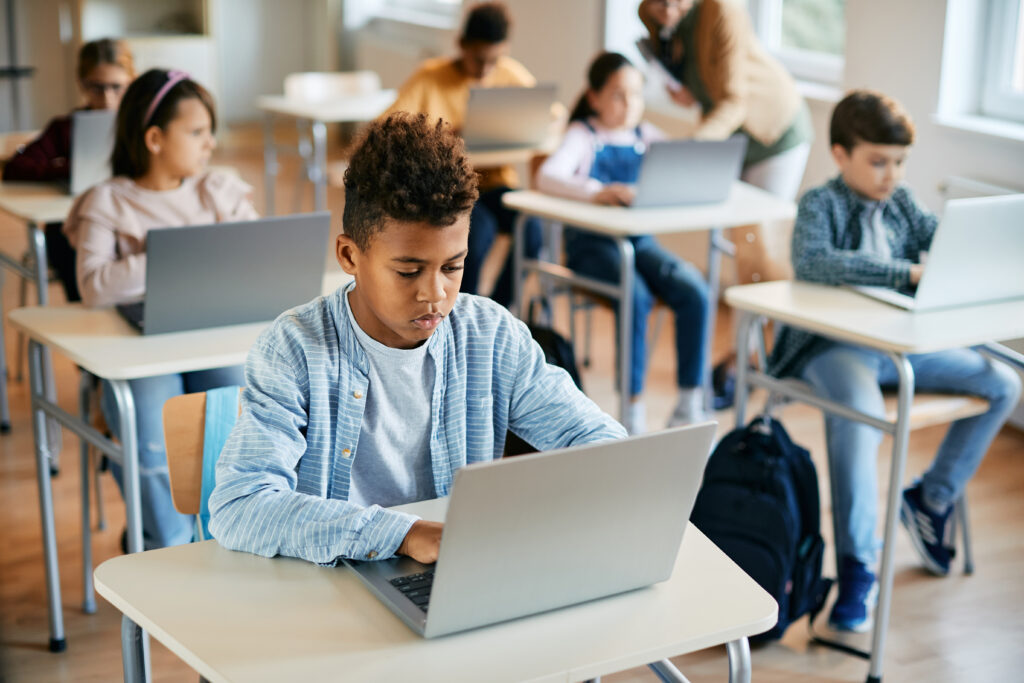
{"x":659,"y":273}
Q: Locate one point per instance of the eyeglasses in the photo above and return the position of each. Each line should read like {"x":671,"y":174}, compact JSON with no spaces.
{"x":100,"y":89}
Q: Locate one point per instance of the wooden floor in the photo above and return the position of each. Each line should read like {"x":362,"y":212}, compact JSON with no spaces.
{"x":953,"y":629}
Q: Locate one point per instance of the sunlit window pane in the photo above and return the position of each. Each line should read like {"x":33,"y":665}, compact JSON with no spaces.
{"x":815,"y":25}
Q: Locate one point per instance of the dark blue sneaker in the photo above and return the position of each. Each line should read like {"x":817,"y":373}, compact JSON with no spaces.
{"x":858,"y":592}
{"x":931,"y":533}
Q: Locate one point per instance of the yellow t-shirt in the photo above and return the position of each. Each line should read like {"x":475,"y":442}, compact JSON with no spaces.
{"x":439,"y":90}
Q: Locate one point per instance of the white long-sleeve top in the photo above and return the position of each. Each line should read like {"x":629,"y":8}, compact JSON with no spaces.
{"x":566,"y":173}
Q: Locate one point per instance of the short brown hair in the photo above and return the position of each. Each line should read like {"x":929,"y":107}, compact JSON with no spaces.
{"x":408,"y":169}
{"x":487,"y":22}
{"x":868,"y":116}
{"x":105,"y":51}
{"x":131,"y":157}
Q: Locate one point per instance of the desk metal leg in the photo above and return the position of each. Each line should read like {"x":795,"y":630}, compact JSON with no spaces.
{"x":743,"y":329}
{"x":899,"y":460}
{"x":130,"y":462}
{"x":5,"y":409}
{"x":518,"y":261}
{"x":627,"y":271}
{"x":88,"y":594}
{"x":319,"y":170}
{"x":667,"y":672}
{"x":717,"y":245}
{"x":739,"y":660}
{"x":269,"y":164}
{"x":37,"y":240}
{"x":37,"y":388}
{"x":134,"y":652}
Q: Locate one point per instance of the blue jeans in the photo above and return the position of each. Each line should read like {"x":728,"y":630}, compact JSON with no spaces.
{"x":661,"y":274}
{"x":162,"y":525}
{"x":854,"y":376}
{"x":488,"y":218}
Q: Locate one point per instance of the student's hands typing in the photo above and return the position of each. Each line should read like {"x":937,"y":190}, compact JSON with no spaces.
{"x":615,"y":194}
{"x":422,"y":542}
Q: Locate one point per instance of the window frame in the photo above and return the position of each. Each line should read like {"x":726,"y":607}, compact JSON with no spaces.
{"x":1005,"y":39}
{"x":806,"y":65}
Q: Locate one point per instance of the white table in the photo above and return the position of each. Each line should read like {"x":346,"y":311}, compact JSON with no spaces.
{"x":35,"y":204}
{"x":105,"y":346}
{"x":746,"y":204}
{"x":290,"y":620}
{"x":350,"y":109}
{"x":846,"y":316}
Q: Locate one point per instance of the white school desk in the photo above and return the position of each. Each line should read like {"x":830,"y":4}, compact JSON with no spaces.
{"x":237,"y":617}
{"x":35,"y":204}
{"x":847,"y":316}
{"x":104,"y":345}
{"x":746,"y":204}
{"x":349,"y":109}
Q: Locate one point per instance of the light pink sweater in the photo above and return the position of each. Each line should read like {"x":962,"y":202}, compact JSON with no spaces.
{"x":108,"y":226}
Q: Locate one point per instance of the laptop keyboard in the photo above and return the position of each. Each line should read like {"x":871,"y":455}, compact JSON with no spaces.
{"x":416,"y":587}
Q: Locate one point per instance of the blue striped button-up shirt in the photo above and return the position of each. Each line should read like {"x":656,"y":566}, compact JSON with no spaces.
{"x":826,"y":249}
{"x":283,"y":476}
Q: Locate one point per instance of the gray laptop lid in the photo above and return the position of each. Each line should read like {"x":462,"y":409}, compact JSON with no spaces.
{"x":528,"y":534}
{"x":231,"y":273}
{"x":508,"y":117}
{"x":679,"y":172}
{"x":92,"y":142}
{"x":976,"y":255}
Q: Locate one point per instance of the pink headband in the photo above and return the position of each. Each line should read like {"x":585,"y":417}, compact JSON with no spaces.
{"x":173,"y":78}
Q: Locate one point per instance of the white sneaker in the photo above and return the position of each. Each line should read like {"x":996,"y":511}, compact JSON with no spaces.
{"x":689,"y":409}
{"x":636,"y":422}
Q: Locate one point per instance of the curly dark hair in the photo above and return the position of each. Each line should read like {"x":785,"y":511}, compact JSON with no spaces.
{"x":408,"y":169}
{"x":869,"y":116}
{"x":487,"y":22}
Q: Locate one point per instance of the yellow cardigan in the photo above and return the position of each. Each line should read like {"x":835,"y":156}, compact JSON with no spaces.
{"x":749,"y":88}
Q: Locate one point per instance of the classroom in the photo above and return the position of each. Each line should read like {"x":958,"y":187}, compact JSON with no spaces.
{"x":314,"y":350}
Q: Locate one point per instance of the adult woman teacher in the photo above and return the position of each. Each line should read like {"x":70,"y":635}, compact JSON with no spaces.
{"x":709,"y":46}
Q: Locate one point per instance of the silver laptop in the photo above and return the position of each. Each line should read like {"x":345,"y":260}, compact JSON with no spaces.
{"x":533,"y":533}
{"x":92,"y":142}
{"x":976,"y":256}
{"x":230,"y":273}
{"x":680,"y":172}
{"x":508,"y":117}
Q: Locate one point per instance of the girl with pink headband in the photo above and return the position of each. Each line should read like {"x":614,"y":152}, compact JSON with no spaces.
{"x":164,"y":140}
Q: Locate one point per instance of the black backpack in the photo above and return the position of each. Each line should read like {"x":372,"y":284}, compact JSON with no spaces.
{"x":759,"y":504}
{"x":557,"y":351}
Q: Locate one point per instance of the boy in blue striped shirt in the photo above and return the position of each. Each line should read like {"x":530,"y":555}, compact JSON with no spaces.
{"x":373,"y":396}
{"x":863,"y":227}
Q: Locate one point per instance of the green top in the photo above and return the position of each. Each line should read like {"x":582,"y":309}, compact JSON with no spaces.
{"x":688,"y":72}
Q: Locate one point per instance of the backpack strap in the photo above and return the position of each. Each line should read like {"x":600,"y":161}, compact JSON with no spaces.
{"x":221,"y":415}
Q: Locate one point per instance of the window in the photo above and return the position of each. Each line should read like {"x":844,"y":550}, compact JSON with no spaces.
{"x":1002,"y":93}
{"x":808,"y":36}
{"x":435,"y":13}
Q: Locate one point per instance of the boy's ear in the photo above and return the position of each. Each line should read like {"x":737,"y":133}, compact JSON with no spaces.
{"x":840,"y":155}
{"x":347,"y":253}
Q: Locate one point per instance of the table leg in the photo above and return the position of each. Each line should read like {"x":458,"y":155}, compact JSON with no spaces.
{"x":269,"y":164}
{"x":739,"y":660}
{"x":319,"y":165}
{"x":5,"y":409}
{"x":134,"y":652}
{"x":899,"y":460}
{"x":627,"y":271}
{"x":37,"y":240}
{"x":130,"y":462}
{"x":667,"y":672}
{"x":518,"y":262}
{"x":88,"y":594}
{"x":39,"y":430}
{"x":743,"y":330}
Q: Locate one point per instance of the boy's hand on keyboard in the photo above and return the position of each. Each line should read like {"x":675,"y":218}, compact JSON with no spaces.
{"x":916,"y":270}
{"x":422,"y":542}
{"x":615,"y":194}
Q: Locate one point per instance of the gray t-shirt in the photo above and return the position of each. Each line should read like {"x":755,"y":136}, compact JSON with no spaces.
{"x":873,"y":237}
{"x":391,"y":464}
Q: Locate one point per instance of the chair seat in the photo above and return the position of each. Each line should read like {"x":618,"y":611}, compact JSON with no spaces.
{"x":927,"y":410}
